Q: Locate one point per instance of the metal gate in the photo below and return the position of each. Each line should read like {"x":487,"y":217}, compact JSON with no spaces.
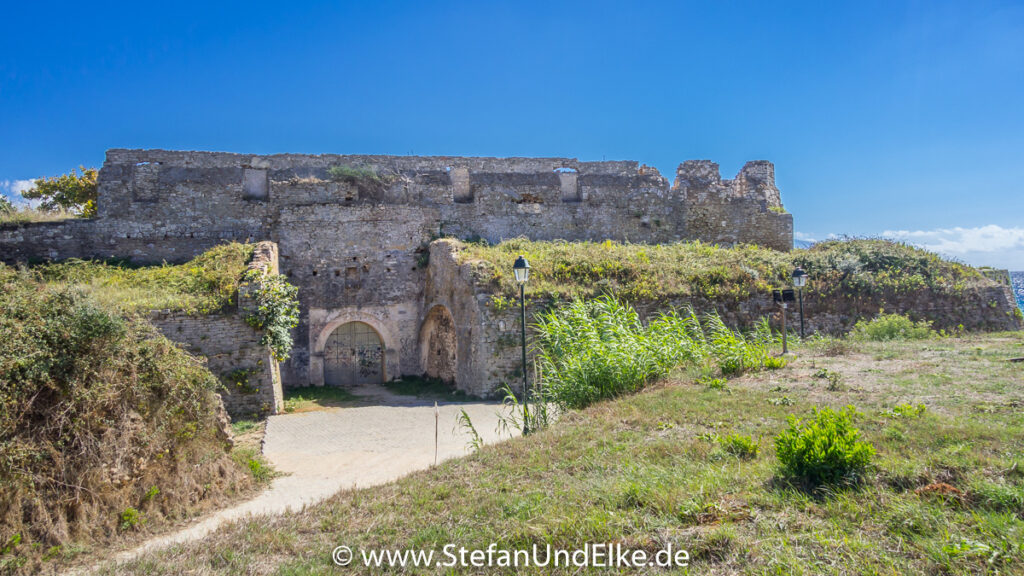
{"x":354,"y":355}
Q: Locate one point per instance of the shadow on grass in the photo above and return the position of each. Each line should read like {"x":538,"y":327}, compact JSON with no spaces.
{"x":428,"y":388}
{"x":310,"y":398}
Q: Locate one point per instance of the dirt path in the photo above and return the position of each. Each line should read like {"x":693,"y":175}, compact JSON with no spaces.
{"x":319,"y":453}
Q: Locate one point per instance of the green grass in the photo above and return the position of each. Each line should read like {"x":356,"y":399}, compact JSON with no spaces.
{"x":205,"y":284}
{"x":640,"y":470}
{"x":427,"y":388}
{"x":307,"y":398}
{"x":564,"y":270}
{"x":239,"y":427}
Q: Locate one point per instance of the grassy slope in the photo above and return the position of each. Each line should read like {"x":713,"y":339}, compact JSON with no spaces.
{"x":204,"y":284}
{"x":638,"y":470}
{"x":637,"y":271}
{"x":99,"y":414}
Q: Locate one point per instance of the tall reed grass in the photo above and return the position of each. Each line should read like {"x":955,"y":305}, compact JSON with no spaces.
{"x":596,"y":349}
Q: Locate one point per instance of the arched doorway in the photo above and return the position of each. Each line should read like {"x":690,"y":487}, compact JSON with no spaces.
{"x":438,"y":343}
{"x":353,"y":356}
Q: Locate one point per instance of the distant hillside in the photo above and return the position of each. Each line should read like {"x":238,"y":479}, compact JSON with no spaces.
{"x":1018,"y":287}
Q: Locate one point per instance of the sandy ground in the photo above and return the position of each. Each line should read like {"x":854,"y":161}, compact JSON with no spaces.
{"x":375,"y":441}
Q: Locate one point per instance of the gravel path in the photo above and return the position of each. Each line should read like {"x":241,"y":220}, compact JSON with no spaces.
{"x":322,"y":452}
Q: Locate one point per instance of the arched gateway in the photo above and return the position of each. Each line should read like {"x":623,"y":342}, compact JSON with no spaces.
{"x":353,"y":356}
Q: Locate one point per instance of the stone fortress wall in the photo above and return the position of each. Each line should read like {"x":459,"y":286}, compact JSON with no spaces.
{"x":232,"y":349}
{"x":356,"y":241}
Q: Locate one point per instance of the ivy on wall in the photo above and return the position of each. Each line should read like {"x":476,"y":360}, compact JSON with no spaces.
{"x":276,"y":310}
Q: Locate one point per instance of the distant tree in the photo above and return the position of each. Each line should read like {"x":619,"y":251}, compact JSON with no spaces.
{"x":67,"y":192}
{"x":5,"y":205}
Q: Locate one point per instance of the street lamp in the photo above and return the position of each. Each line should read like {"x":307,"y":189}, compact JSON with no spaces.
{"x":521,"y":269}
{"x":799,"y":281}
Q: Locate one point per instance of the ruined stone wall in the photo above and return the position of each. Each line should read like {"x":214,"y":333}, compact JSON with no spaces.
{"x":354,"y":241}
{"x":250,"y":375}
{"x":232,"y":352}
{"x":489,"y":328}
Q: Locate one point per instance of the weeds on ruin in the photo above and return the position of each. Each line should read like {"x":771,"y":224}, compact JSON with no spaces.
{"x":204,"y":285}
{"x":276,"y":311}
{"x":841,"y":268}
{"x":355,"y":174}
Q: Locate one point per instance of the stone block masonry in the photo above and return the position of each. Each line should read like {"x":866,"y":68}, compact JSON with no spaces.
{"x":250,"y":374}
{"x":232,"y":351}
{"x":353,"y":233}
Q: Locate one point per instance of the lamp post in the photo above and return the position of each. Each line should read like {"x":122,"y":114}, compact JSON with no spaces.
{"x":521,"y":269}
{"x":799,"y":281}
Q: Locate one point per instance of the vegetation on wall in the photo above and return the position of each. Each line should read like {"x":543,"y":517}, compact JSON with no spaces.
{"x":205,"y":284}
{"x":105,"y":425}
{"x":72,"y":192}
{"x":356,"y":174}
{"x":565,"y":270}
{"x":276,"y":310}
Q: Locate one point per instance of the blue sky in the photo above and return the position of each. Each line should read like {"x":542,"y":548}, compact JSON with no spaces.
{"x":881,"y":117}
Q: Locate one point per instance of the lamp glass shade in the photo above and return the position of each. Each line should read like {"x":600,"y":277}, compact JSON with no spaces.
{"x":799,"y":278}
{"x":521,"y":269}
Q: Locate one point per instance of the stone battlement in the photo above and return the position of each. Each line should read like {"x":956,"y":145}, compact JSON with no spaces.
{"x":352,"y":230}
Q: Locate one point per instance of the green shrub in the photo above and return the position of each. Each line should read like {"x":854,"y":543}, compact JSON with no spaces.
{"x":276,"y":311}
{"x":835,"y":379}
{"x":886,"y":327}
{"x":130,"y":518}
{"x":596,"y":349}
{"x":741,"y":446}
{"x":823,"y":449}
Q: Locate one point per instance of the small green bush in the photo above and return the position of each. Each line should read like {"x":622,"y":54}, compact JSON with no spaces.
{"x":825,"y":448}
{"x":741,"y":446}
{"x":835,"y":379}
{"x":885,"y":327}
{"x":130,"y":519}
